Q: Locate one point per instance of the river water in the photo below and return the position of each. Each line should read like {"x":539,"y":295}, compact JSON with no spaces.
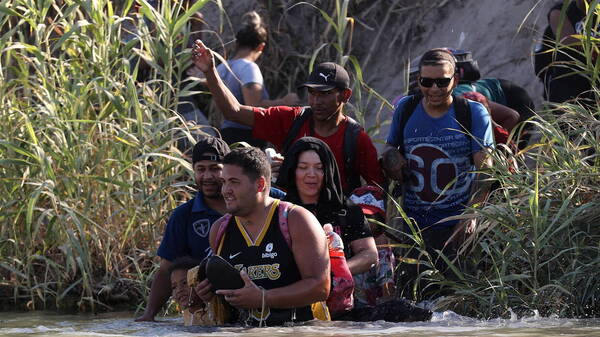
{"x":442,"y":324}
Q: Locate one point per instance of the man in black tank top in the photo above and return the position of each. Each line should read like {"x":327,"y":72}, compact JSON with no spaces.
{"x":284,"y":273}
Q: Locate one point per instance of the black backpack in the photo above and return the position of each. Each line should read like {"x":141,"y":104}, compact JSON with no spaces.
{"x":351,"y":133}
{"x":467,"y":67}
{"x":461,"y":108}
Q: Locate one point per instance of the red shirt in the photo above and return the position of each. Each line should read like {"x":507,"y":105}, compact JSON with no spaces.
{"x":272,"y":124}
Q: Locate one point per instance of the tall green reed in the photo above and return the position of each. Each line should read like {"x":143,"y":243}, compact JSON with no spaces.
{"x":335,"y":45}
{"x":89,"y":162}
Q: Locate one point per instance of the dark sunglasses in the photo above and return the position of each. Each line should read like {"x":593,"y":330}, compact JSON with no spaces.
{"x":427,"y":82}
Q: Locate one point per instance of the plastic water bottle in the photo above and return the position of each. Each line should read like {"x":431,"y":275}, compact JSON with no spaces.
{"x":334,"y":241}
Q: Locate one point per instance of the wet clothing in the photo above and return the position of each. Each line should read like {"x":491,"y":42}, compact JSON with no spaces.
{"x":396,"y":310}
{"x":272,"y":125}
{"x":346,"y":218}
{"x":439,"y":160}
{"x":269,"y":262}
{"x":187,"y":231}
{"x":558,"y":87}
{"x":371,"y":286}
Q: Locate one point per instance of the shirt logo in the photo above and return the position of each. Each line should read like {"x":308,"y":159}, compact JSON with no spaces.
{"x":232,"y":256}
{"x":201,"y":227}
{"x":433,"y":174}
{"x":269,"y":251}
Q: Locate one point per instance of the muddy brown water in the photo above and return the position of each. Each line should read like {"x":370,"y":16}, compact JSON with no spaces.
{"x":442,"y":324}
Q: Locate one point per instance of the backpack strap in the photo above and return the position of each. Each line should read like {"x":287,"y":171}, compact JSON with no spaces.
{"x":222,"y":222}
{"x":353,"y":129}
{"x":284,"y":211}
{"x":295,"y":128}
{"x":462,"y":109}
{"x":407,"y":110}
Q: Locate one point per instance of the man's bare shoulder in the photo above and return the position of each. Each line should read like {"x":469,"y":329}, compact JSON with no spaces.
{"x":301,"y":221}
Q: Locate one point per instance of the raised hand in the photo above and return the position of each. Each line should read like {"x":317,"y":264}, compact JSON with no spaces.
{"x":202,"y":56}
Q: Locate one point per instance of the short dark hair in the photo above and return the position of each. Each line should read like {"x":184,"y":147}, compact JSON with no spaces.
{"x":252,"y":160}
{"x":184,"y":262}
{"x":437,"y":57}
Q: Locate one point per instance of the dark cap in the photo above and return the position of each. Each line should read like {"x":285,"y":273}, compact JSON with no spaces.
{"x":327,"y":76}
{"x":209,"y":144}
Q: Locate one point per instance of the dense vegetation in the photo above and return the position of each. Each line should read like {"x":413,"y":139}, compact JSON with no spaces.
{"x":90,"y":166}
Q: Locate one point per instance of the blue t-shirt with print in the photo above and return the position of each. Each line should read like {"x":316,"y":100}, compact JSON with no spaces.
{"x":439,"y":157}
{"x":187,"y":230}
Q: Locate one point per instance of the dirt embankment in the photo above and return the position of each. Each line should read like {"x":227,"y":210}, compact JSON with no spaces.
{"x":389,"y":33}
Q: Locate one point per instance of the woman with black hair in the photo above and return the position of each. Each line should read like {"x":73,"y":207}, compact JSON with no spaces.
{"x":310,"y":175}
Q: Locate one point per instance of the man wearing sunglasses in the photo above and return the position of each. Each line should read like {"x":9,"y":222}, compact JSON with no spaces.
{"x":434,"y":157}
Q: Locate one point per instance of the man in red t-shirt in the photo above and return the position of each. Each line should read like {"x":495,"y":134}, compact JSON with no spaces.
{"x":328,"y":90}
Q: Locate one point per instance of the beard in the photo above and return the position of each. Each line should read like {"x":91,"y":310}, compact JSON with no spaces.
{"x":209,"y":189}
{"x":213,"y":195}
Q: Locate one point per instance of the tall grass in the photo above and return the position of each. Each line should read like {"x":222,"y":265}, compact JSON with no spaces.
{"x":536,"y":247}
{"x":88,"y":160}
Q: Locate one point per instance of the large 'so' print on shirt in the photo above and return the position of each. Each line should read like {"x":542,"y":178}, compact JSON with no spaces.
{"x":431,"y":172}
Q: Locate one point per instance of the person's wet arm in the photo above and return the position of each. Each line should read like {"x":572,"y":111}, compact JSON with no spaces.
{"x":364,"y":255}
{"x":160,"y":291}
{"x":309,"y":246}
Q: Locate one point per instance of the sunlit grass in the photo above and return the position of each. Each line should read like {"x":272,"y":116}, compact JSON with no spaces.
{"x":89,"y":165}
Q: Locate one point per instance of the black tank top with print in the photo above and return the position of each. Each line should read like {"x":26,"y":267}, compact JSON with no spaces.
{"x":269,"y":263}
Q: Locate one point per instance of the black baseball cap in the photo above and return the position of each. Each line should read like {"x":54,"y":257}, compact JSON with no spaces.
{"x":327,"y":76}
{"x":210,"y":148}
